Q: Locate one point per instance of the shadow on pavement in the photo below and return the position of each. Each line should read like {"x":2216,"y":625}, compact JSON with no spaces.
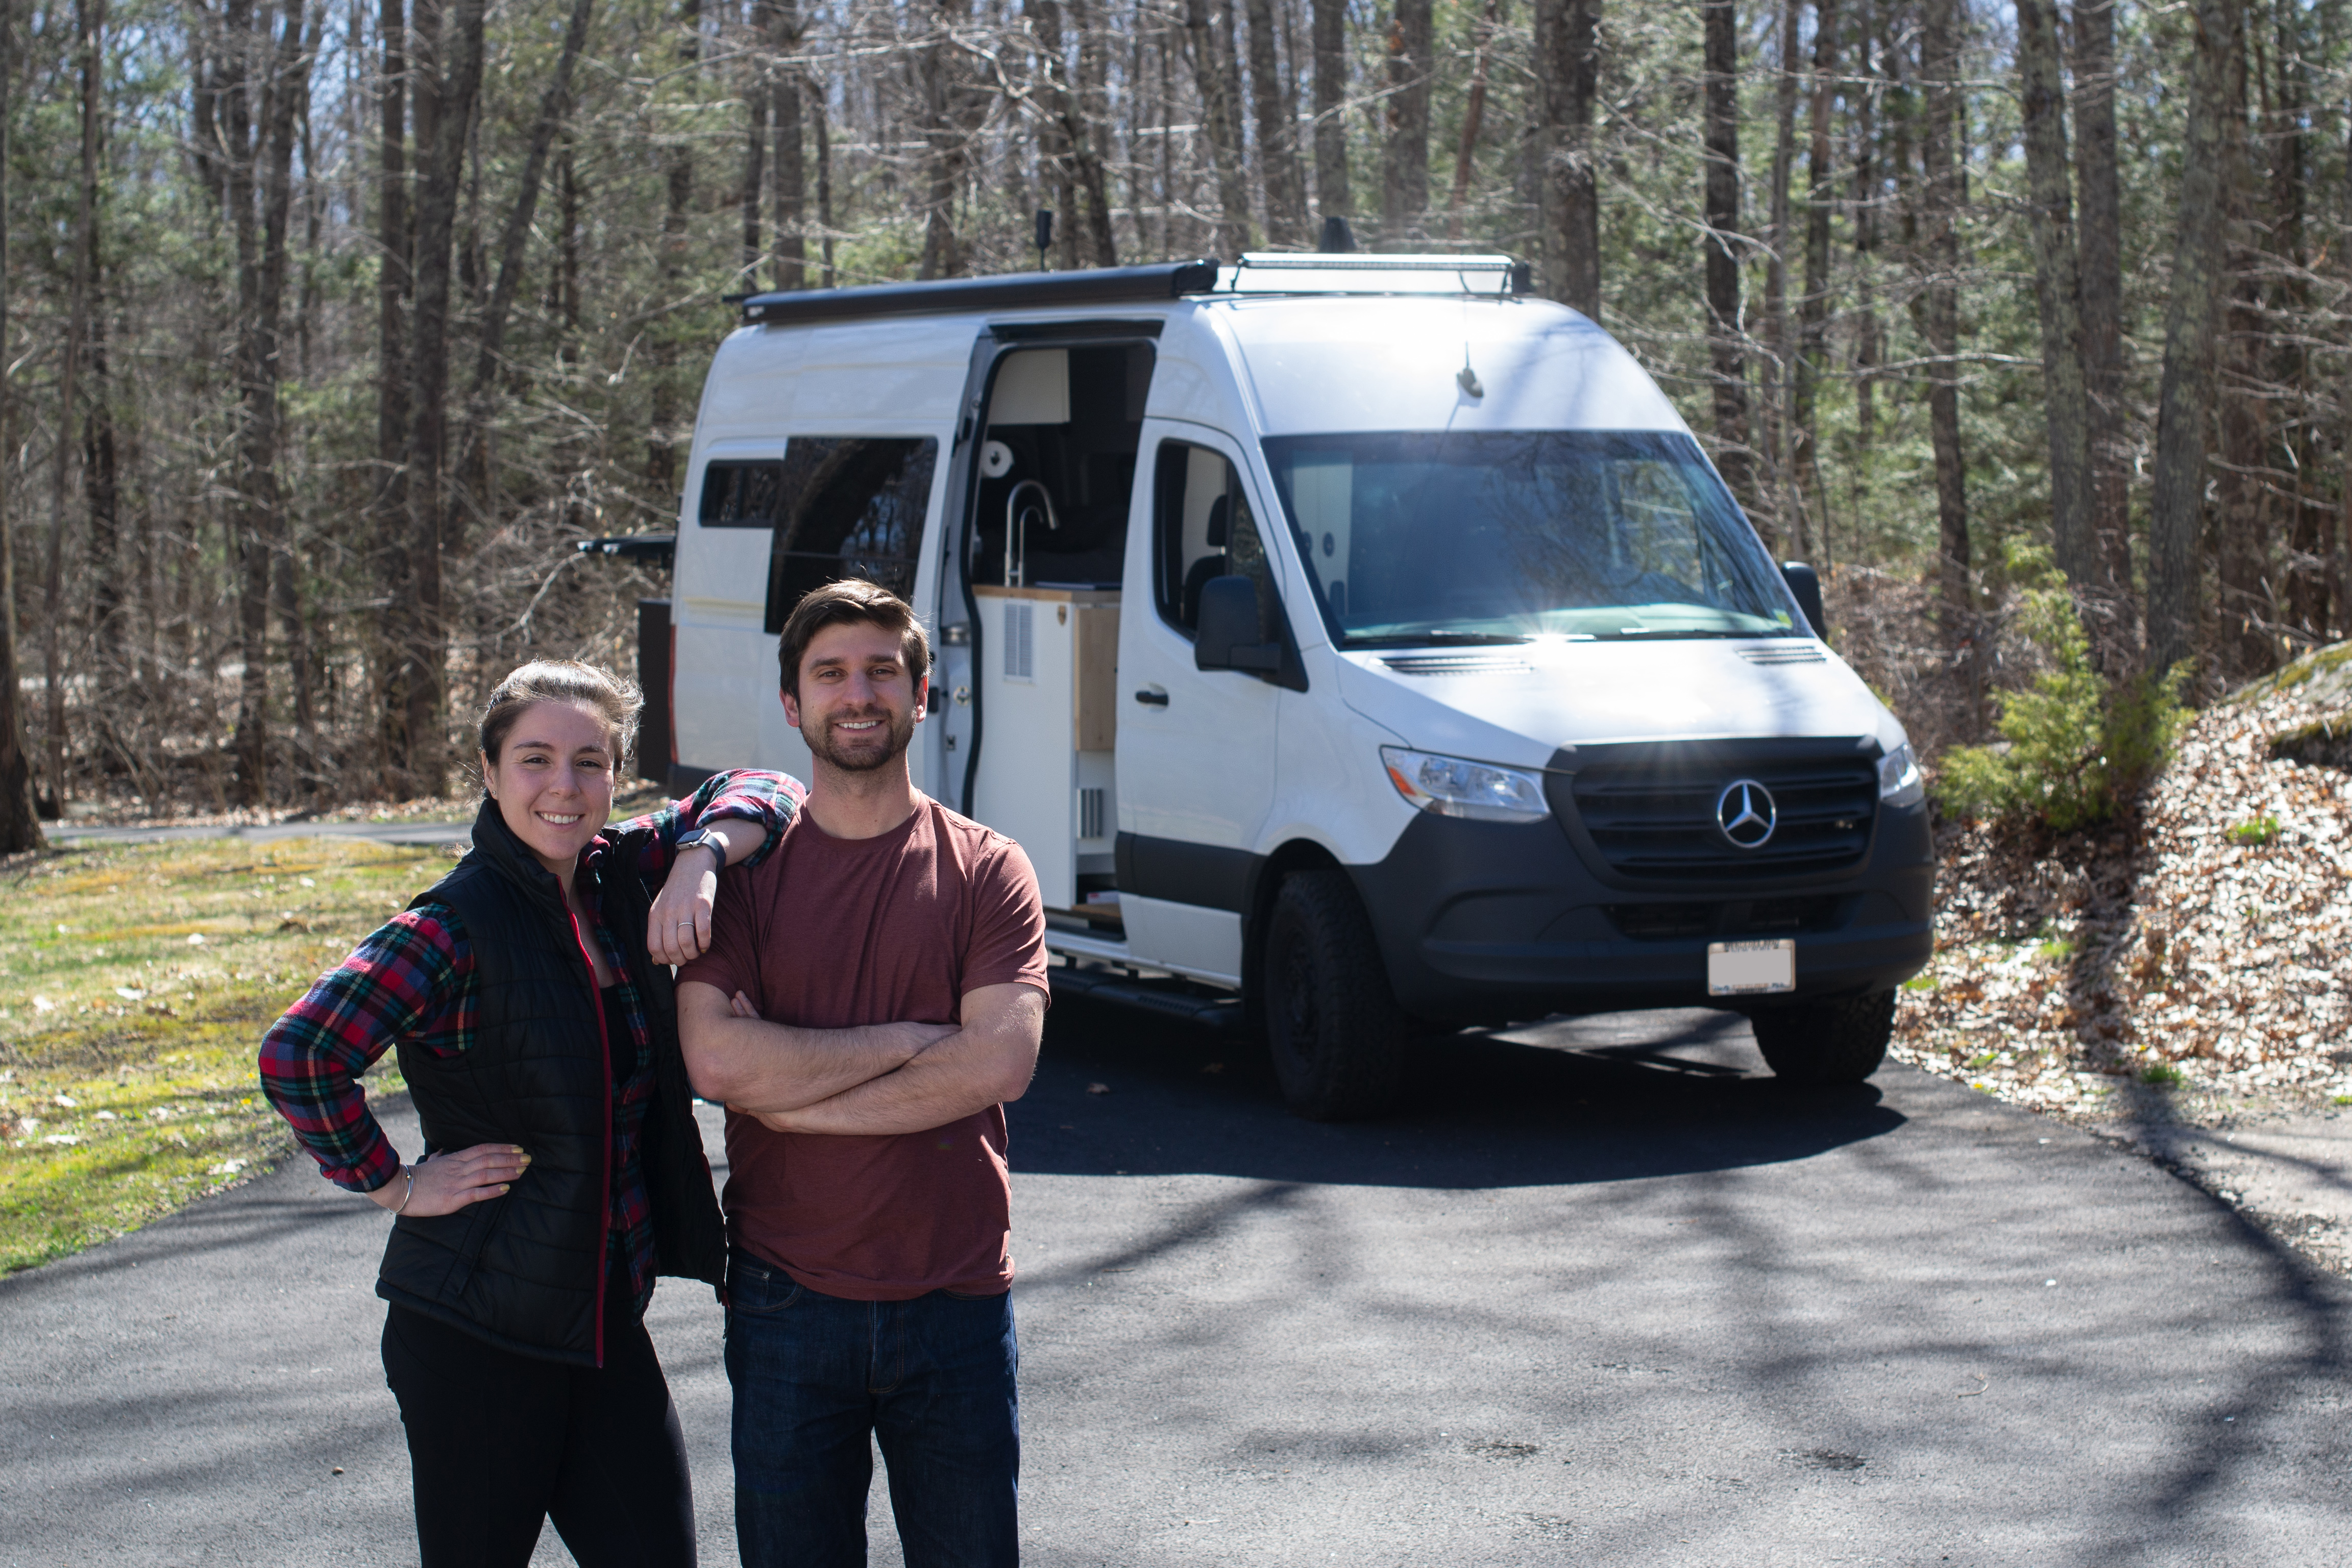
{"x":1559,"y":1103}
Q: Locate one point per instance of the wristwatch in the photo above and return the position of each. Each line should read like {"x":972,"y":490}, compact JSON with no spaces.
{"x":700,"y":839}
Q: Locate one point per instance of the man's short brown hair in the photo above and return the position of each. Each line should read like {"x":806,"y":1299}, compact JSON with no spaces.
{"x":852,"y":599}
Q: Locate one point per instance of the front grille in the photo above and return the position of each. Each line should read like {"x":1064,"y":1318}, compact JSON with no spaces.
{"x":1738,"y":918}
{"x":1649,"y":809}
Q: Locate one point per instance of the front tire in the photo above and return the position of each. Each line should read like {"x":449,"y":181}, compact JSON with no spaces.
{"x":1839,"y":1040}
{"x":1332,"y":1024}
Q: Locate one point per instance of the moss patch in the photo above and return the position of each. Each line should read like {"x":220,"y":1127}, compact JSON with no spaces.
{"x":135,"y":983}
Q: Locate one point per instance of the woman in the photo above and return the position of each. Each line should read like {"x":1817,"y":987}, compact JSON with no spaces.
{"x":528,"y":996}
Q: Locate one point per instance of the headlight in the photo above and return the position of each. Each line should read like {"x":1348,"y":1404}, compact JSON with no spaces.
{"x":1899,"y":783}
{"x":1450,"y":787}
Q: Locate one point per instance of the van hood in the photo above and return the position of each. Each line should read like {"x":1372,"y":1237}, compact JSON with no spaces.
{"x":1521,"y":705}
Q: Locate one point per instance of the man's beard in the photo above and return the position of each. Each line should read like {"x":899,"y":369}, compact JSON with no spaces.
{"x":826,"y":748}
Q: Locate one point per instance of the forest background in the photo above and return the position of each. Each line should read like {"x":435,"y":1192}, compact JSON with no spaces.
{"x":327,"y":329}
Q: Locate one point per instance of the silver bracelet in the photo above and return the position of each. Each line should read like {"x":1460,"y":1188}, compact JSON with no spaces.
{"x":410,"y":1172}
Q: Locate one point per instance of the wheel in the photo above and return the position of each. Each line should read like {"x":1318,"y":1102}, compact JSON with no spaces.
{"x":1332,"y":1026}
{"x":1841,"y":1040}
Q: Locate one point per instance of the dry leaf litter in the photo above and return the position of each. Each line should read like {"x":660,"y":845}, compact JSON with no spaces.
{"x":2202,"y":945}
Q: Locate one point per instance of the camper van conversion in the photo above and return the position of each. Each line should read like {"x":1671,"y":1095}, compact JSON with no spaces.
{"x":1354,"y":636}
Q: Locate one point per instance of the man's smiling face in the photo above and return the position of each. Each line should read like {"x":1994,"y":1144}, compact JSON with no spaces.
{"x":858,"y":702}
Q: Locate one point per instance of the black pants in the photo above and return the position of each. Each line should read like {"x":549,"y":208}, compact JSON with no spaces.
{"x":499,"y":1442}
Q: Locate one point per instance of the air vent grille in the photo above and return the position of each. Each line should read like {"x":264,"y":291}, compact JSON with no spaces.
{"x":1795,"y":653}
{"x":1019,"y":640}
{"x":1459,"y":664}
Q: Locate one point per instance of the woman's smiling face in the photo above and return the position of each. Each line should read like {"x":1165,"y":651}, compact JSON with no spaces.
{"x":553,"y":782}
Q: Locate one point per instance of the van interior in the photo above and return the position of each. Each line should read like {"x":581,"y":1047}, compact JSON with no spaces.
{"x":1045,"y":549}
{"x":1057,"y":467}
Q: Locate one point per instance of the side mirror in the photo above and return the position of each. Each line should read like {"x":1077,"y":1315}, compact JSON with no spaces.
{"x":1226,"y":637}
{"x":1806,"y":584}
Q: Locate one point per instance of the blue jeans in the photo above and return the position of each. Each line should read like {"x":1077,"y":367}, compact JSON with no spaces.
{"x":932,"y":1380}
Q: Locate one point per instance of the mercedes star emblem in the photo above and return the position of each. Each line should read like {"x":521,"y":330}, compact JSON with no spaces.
{"x":1746,"y":813}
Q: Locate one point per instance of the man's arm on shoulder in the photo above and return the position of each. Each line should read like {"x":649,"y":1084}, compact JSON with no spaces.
{"x":755,"y":1066}
{"x":986,"y":1062}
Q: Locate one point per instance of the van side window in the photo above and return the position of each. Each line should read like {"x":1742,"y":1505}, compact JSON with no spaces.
{"x":739,"y":495}
{"x":844,"y":506}
{"x":1202,"y":529}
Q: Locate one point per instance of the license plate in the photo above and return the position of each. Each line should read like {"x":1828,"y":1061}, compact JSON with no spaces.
{"x":1750,"y":968}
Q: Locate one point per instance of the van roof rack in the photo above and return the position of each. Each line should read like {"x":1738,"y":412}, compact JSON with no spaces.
{"x":1259,"y":272}
{"x":1357,"y":272}
{"x":1012,"y":290}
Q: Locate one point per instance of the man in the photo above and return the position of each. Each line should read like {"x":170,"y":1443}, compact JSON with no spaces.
{"x":873,"y":993}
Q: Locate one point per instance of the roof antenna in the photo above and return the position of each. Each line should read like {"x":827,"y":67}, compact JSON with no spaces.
{"x":1338,"y":239}
{"x":1044,"y":237}
{"x":1466,"y":378}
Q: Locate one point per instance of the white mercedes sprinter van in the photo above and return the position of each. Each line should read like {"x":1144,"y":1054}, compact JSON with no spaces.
{"x":1355,"y":636}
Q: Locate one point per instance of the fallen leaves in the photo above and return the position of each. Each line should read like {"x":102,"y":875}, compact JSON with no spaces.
{"x":2178,"y":941}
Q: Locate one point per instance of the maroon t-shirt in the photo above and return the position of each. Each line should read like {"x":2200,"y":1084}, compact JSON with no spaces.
{"x":830,"y":933}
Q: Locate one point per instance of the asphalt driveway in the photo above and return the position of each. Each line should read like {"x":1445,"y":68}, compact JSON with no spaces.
{"x":1605,"y":1294}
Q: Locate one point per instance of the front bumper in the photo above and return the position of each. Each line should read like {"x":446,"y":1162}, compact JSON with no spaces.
{"x":1489,"y":922}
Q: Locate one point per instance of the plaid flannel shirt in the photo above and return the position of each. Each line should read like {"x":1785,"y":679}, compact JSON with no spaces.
{"x":413,"y":980}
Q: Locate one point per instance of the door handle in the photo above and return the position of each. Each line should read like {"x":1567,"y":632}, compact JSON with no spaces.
{"x":1152,"y":699}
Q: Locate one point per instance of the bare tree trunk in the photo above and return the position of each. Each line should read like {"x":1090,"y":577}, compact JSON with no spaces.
{"x":397,"y":627}
{"x":788,"y":174}
{"x":1864,"y":113}
{"x":1278,"y":147}
{"x":2100,"y":243}
{"x":1724,"y":251}
{"x":553,"y":105}
{"x":1813,"y":309}
{"x":262,"y":185}
{"x":818,"y":118}
{"x":1938,"y":314}
{"x":1474,"y":118}
{"x":2305,"y":591}
{"x":758,"y":93}
{"x":2245,"y":602}
{"x":89,"y":28}
{"x":20,"y":820}
{"x":1089,"y":135}
{"x":1212,"y":75}
{"x":1057,"y":143}
{"x":1568,"y":79}
{"x":1332,"y":194}
{"x":2185,"y":400}
{"x":942,"y":257}
{"x":665,"y":402}
{"x":1405,"y":150}
{"x":2059,"y":295}
{"x":436,"y":213}
{"x":1789,"y":488}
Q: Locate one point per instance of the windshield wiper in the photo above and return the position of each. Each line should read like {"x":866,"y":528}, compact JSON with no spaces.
{"x":1462,"y":639}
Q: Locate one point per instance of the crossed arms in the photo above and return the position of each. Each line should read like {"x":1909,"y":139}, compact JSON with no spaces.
{"x":874,"y":1080}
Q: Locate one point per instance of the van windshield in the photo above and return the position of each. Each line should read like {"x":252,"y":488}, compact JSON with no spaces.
{"x":1513,"y":535}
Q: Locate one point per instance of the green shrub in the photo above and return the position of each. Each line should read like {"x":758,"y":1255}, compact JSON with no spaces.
{"x":2080,"y":746}
{"x":2262,"y":830}
{"x":2162,"y":1075}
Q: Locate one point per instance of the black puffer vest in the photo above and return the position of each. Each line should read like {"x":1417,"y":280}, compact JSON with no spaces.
{"x":525,"y":1270}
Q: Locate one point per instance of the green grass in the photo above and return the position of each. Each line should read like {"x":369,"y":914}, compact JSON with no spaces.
{"x":1920,"y":982}
{"x":135,"y":984}
{"x":2162,"y":1075}
{"x":2262,"y":830}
